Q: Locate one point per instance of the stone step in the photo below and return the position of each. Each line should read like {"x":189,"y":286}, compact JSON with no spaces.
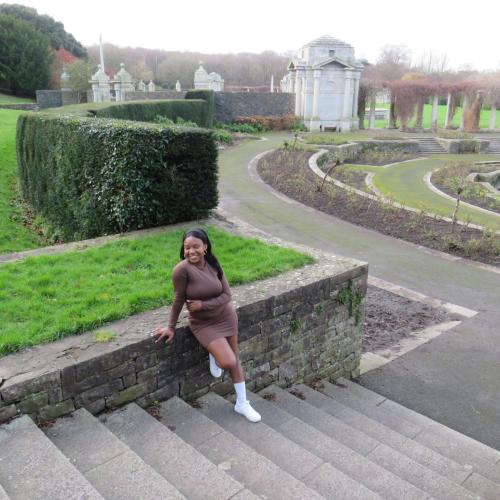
{"x":447,"y":442}
{"x":384,"y":470}
{"x":285,"y":453}
{"x":183,"y":466}
{"x":228,"y":453}
{"x":366,"y":395}
{"x":105,"y":461}
{"x":348,"y":397}
{"x":416,"y":451}
{"x":31,"y":467}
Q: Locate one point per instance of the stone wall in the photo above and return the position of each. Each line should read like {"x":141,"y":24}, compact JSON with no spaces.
{"x":20,"y":107}
{"x":298,"y":326}
{"x":389,"y":146}
{"x":230,"y":105}
{"x":58,"y":98}
{"x":159,"y":94}
{"x":459,"y":146}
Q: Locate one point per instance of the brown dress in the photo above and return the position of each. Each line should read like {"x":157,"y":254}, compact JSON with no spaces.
{"x":217,"y":317}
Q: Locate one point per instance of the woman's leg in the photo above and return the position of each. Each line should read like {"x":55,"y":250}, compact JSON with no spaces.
{"x":226,"y":357}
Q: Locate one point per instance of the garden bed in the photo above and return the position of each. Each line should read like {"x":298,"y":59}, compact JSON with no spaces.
{"x":378,"y":159}
{"x":289,"y":172}
{"x":451,"y":177}
{"x":389,"y":318}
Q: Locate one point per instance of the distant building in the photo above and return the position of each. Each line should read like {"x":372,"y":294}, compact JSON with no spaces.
{"x":325,"y":80}
{"x":205,"y":81}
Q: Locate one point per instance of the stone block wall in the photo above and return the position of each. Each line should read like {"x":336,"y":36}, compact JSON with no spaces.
{"x":390,"y":146}
{"x":301,"y":325}
{"x":58,"y":98}
{"x":230,"y":105}
{"x":159,"y":94}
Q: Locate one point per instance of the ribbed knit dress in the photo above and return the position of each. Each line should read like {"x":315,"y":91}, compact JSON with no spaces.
{"x":217,"y":317}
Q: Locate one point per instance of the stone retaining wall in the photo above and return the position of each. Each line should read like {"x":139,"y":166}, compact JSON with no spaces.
{"x":298,"y":326}
{"x":20,"y":107}
{"x":230,"y":105}
{"x":401,"y":146}
{"x":459,"y":146}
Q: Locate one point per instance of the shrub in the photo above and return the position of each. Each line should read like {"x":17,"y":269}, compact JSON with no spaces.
{"x":285,"y":122}
{"x":91,"y":176}
{"x":242,"y":128}
{"x":223,"y":136}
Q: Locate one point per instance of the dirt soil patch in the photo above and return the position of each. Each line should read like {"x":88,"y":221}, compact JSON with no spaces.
{"x":353,"y":178}
{"x":390,"y":318}
{"x":288,"y":172}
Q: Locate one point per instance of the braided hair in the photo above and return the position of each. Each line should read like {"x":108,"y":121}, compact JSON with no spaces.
{"x":209,"y":256}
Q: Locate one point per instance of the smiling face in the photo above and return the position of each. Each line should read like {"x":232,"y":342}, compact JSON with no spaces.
{"x":194,"y":250}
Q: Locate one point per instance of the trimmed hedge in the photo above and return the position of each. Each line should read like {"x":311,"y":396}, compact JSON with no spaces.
{"x":193,"y":110}
{"x":95,"y":176}
{"x":208,"y":96}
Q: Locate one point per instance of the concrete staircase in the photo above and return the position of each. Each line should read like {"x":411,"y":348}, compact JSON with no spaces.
{"x":429,"y":145}
{"x":337,"y":441}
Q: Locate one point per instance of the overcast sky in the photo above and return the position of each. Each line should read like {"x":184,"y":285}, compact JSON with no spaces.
{"x":469,"y":34}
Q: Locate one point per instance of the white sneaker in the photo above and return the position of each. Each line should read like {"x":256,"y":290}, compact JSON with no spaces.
{"x":247,"y":411}
{"x":214,"y":369}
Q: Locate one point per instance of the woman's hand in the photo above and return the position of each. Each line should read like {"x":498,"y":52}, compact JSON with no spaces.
{"x":161,"y":333}
{"x":194,"y":305}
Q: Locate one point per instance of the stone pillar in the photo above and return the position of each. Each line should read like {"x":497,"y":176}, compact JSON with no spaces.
{"x":298,"y":94}
{"x":356,"y":97}
{"x":304,"y":97}
{"x":465,"y":105}
{"x":447,"y":117}
{"x":493,"y":116}
{"x":346,"y":113}
{"x":373,"y":103}
{"x":291,"y":83}
{"x":315,"y":118}
{"x":434,"y":116}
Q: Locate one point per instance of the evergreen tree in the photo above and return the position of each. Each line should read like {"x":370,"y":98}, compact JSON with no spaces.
{"x":48,"y":26}
{"x":24,"y":56}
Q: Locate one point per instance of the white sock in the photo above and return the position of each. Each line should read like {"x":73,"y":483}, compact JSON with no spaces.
{"x":241,"y":393}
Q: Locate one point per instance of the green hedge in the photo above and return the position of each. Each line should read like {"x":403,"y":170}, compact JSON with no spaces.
{"x":193,"y":110}
{"x":209,"y":98}
{"x":95,"y":176}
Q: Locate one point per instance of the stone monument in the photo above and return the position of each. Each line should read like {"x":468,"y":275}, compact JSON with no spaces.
{"x":122,"y":83}
{"x":101,"y":88}
{"x":325,"y":80}
{"x":151,"y":86}
{"x":205,"y":81}
{"x":141,"y":86}
{"x":178,"y":87}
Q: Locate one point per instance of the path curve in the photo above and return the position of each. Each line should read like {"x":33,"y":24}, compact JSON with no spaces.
{"x":453,"y":378}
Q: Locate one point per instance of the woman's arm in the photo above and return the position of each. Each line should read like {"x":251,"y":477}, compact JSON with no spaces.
{"x":179,"y":279}
{"x":221,"y":299}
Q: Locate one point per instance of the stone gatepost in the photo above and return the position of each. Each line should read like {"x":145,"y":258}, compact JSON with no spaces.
{"x":123,"y":83}
{"x":101,"y":89}
{"x":178,"y":87}
{"x":151,"y":86}
{"x":141,"y":86}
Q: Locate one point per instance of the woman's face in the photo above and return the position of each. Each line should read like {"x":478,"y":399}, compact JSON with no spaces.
{"x":194,"y":250}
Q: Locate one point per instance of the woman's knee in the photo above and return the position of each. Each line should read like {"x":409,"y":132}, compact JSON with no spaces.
{"x":228,"y":361}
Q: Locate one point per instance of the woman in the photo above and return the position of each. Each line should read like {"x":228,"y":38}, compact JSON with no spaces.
{"x":200,"y":282}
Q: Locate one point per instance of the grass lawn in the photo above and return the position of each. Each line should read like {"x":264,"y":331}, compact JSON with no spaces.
{"x":14,"y":236}
{"x":10,"y":99}
{"x":484,"y":121}
{"x":48,"y":297}
{"x":404,"y":183}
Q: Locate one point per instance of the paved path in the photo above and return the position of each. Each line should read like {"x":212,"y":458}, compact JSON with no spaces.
{"x":454,"y":378}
